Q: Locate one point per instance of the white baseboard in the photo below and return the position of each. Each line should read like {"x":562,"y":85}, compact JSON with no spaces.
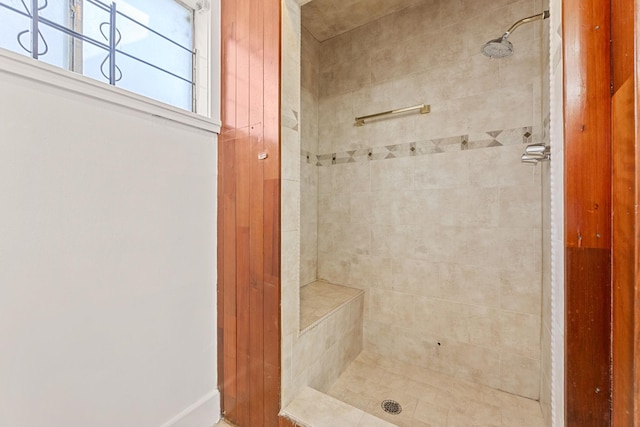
{"x":205,"y":412}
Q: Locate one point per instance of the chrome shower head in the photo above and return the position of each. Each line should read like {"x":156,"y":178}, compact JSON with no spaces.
{"x":498,"y":48}
{"x":501,"y":47}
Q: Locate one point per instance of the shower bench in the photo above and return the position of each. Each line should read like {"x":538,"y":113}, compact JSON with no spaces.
{"x":320,"y":299}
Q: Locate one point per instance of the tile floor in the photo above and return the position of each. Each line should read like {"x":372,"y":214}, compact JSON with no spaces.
{"x":318,"y":299}
{"x":429,"y":398}
{"x":312,"y":408}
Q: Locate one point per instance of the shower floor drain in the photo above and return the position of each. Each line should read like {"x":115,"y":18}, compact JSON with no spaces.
{"x":391,"y":407}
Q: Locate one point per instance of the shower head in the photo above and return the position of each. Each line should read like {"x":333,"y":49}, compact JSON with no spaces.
{"x":498,"y":48}
{"x":501,"y":47}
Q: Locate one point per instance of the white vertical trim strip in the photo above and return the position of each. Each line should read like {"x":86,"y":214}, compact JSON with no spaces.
{"x":557,"y":214}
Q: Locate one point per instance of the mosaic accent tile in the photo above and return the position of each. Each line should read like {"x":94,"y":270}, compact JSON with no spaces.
{"x":481,"y":140}
{"x":308,"y":157}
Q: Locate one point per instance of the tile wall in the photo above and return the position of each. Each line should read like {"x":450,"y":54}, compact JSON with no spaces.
{"x":433,"y":215}
{"x":290,"y":198}
{"x":316,"y":356}
{"x":324,"y":350}
{"x":309,"y":92}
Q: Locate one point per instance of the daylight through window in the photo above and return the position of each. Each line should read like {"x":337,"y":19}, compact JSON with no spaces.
{"x":143,"y":46}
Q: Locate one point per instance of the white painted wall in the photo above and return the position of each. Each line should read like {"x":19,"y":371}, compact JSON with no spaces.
{"x":107,"y":264}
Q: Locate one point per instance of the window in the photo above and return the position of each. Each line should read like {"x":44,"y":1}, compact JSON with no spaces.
{"x":147,"y":47}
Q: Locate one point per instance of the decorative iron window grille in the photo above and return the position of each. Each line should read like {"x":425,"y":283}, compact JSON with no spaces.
{"x":37,"y":46}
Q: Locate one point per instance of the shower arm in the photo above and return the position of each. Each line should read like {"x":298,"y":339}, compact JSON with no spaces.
{"x":543,"y":15}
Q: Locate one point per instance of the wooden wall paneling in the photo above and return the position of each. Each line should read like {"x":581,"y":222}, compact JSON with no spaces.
{"x":587,"y":128}
{"x":625,"y":220}
{"x":249,"y":206}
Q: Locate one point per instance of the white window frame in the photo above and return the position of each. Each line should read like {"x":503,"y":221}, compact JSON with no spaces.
{"x":207,"y":76}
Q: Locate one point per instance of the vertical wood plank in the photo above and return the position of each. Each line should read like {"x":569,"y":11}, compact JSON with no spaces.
{"x":587,"y":129}
{"x":622,"y":41}
{"x":626,"y":241}
{"x":243,"y":277}
{"x":272,"y":302}
{"x":624,"y":246}
{"x":228,"y":52}
{"x":228,"y":273}
{"x":243,"y":72}
{"x":588,"y":334}
{"x":256,"y":267}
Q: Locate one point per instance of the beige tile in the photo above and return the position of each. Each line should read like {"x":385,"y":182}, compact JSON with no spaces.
{"x":474,"y":363}
{"x":334,"y":208}
{"x":529,"y":416}
{"x":431,"y":413}
{"x":353,"y":238}
{"x":475,"y":285}
{"x":520,"y":206}
{"x":380,"y":337}
{"x":314,"y":408}
{"x":398,"y":207}
{"x":416,"y":277}
{"x":520,"y":292}
{"x":290,"y":154}
{"x":520,"y":375}
{"x":391,"y":307}
{"x":516,"y":108}
{"x":361,"y":207}
{"x":319,"y":299}
{"x":404,"y":418}
{"x":441,"y":319}
{"x":290,"y":205}
{"x":394,"y":242}
{"x":498,"y":167}
{"x":440,"y":243}
{"x":333,"y":266}
{"x":502,"y":248}
{"x":455,"y":11}
{"x":520,"y":334}
{"x":445,"y":170}
{"x":471,"y":207}
{"x":372,"y":378}
{"x":423,"y":352}
{"x":369,"y":420}
{"x":485,"y":327}
{"x":368,"y":272}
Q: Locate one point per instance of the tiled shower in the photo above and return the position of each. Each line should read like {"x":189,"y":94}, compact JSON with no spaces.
{"x":432,"y":216}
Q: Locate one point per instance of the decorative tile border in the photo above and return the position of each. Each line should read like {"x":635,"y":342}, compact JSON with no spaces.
{"x":496,"y":138}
